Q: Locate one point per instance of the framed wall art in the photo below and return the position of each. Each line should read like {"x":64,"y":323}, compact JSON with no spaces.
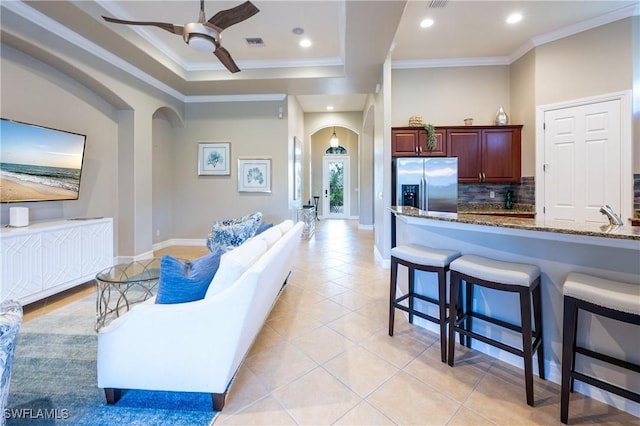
{"x":254,"y":174}
{"x":214,"y":158}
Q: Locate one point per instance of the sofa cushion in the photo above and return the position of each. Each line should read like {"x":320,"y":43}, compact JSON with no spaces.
{"x":186,"y":281}
{"x":263,"y":227}
{"x":285,"y":226}
{"x":271,"y":235}
{"x":233,"y":264}
{"x":231,"y":233}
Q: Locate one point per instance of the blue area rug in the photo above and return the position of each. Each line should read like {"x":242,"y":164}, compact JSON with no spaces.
{"x":54,"y":380}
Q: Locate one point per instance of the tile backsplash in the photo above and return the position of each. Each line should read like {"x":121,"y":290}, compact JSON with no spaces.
{"x":636,"y":191}
{"x":523,"y":193}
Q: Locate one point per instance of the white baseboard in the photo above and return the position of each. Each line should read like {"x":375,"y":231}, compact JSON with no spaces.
{"x":196,"y":242}
{"x":365,"y":227}
{"x":385,"y":263}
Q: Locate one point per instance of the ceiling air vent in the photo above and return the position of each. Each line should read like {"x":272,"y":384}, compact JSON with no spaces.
{"x":438,"y":3}
{"x":255,"y":41}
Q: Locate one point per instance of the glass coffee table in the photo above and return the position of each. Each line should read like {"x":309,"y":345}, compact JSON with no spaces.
{"x":121,"y":286}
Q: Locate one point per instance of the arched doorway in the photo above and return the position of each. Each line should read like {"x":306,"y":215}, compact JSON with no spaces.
{"x":349,"y":147}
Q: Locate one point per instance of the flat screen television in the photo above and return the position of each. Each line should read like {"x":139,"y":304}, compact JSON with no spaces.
{"x":39,"y":163}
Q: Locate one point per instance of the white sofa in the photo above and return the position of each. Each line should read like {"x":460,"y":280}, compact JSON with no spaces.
{"x":198,"y":346}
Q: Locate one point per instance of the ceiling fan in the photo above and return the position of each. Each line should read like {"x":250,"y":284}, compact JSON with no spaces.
{"x":204,"y":35}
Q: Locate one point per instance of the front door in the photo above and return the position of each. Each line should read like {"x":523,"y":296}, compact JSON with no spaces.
{"x":582,"y":160}
{"x":335,"y":178}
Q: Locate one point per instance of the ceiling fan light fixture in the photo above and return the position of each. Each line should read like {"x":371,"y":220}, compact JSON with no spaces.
{"x":201,"y":43}
{"x":200,"y":37}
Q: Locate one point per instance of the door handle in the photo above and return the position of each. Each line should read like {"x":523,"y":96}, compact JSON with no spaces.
{"x":479,"y":177}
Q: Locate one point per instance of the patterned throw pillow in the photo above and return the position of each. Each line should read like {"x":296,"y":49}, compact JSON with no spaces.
{"x":229,"y":234}
{"x":186,"y":281}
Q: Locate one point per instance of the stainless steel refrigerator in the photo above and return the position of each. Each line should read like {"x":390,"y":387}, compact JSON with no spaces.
{"x":429,"y":184}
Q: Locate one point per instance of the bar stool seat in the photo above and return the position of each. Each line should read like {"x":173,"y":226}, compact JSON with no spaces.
{"x":420,"y":258}
{"x":599,"y":296}
{"x":520,"y":278}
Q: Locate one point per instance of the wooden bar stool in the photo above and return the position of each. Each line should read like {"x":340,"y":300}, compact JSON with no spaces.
{"x":511,"y":277}
{"x":599,"y":296}
{"x":420,"y":258}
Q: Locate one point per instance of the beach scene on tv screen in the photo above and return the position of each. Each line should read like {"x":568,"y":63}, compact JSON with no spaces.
{"x":38,"y":163}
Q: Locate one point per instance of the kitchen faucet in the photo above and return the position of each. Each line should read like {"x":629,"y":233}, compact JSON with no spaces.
{"x":614,"y":219}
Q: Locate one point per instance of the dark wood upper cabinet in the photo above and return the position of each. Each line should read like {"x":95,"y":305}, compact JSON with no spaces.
{"x":486,"y":154}
{"x":412,"y":142}
{"x":466,"y":144}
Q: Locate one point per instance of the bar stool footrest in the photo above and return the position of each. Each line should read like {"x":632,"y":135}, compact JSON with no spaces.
{"x":609,"y":359}
{"x":419,"y":314}
{"x":625,"y":393}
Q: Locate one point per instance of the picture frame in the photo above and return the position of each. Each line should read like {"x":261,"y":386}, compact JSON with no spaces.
{"x":214,"y":158}
{"x":254,"y":175}
{"x":297,"y":168}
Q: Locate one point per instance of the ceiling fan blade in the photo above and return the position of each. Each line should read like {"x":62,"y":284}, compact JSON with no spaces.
{"x":225,"y":57}
{"x":175,"y":29}
{"x":226,"y":18}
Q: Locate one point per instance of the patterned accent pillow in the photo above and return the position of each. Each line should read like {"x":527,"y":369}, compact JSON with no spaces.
{"x":229,"y":234}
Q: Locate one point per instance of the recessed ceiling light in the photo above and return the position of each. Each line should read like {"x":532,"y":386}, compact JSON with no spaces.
{"x":514,"y":18}
{"x":426,"y":23}
{"x":330,"y":108}
{"x":305,"y":42}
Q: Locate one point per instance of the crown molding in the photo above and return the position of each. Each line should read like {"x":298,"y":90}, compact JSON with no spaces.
{"x":589,"y":24}
{"x":450,"y":62}
{"x":268,"y":97}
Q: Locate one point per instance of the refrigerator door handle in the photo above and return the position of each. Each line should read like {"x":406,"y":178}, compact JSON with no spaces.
{"x":424,"y":194}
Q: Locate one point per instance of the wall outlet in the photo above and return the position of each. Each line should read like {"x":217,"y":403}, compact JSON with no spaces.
{"x":157,"y":232}
{"x":492,"y":194}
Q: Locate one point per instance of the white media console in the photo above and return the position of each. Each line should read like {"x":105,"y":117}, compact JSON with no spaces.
{"x":45,"y":258}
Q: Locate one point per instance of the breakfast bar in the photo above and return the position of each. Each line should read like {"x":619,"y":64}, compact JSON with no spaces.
{"x":557,"y":248}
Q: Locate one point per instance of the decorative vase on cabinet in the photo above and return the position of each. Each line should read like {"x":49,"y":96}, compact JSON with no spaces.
{"x":501,"y":117}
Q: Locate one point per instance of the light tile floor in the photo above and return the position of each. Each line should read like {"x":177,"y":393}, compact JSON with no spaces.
{"x":324,"y":356}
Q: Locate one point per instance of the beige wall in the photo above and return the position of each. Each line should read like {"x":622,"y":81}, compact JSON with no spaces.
{"x":523,"y":108}
{"x":589,"y":63}
{"x":36,"y":93}
{"x":254,"y":130}
{"x":446,"y":96}
{"x":163,"y":169}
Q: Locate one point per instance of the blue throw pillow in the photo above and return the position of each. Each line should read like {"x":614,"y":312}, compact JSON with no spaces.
{"x":186,"y":281}
{"x":263,"y":227}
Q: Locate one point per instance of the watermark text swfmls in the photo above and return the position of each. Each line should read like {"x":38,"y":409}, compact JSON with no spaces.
{"x":37,"y":414}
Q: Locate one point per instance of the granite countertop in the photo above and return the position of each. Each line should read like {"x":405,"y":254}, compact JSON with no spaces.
{"x":495,"y":209}
{"x":591,"y":229}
